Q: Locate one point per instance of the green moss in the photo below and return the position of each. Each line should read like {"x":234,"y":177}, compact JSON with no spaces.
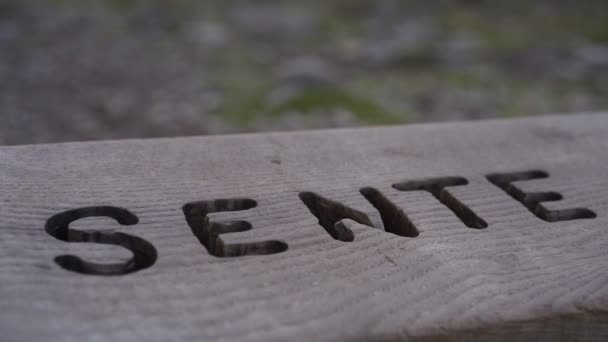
{"x":466,"y":80}
{"x":423,"y":57}
{"x":328,"y":98}
{"x":503,"y":35}
{"x":121,"y":4}
{"x":246,"y":105}
{"x":597,"y":31}
{"x":243,"y":82}
{"x":242,"y":108}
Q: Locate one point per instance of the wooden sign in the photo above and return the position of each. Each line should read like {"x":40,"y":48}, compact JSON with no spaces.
{"x":457,"y":231}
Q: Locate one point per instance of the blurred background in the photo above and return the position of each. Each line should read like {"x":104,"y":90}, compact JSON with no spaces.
{"x":107,"y":69}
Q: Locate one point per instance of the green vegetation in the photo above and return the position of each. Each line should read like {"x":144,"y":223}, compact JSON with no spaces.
{"x":245,"y":107}
{"x":329,"y":98}
{"x":395,"y":64}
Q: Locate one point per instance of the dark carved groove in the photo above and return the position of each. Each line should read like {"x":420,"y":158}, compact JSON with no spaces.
{"x":436,"y":186}
{"x":330,"y":213}
{"x":533,"y":200}
{"x":208,"y":232}
{"x":393,"y":218}
{"x":144,"y":253}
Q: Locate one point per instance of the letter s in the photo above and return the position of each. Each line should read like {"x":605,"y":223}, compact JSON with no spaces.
{"x":144,"y":253}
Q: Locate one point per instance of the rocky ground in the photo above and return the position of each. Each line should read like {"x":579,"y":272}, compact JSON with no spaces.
{"x":84,"y":69}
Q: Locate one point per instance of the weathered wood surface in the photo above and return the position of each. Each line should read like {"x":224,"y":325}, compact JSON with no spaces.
{"x":519,"y":277}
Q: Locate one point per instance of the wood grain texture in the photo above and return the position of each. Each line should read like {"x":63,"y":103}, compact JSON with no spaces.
{"x":520,"y":277}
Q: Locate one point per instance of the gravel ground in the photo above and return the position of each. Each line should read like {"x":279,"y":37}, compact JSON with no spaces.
{"x":86,"y":70}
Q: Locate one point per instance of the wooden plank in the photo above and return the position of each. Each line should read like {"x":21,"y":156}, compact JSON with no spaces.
{"x":481,"y":231}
